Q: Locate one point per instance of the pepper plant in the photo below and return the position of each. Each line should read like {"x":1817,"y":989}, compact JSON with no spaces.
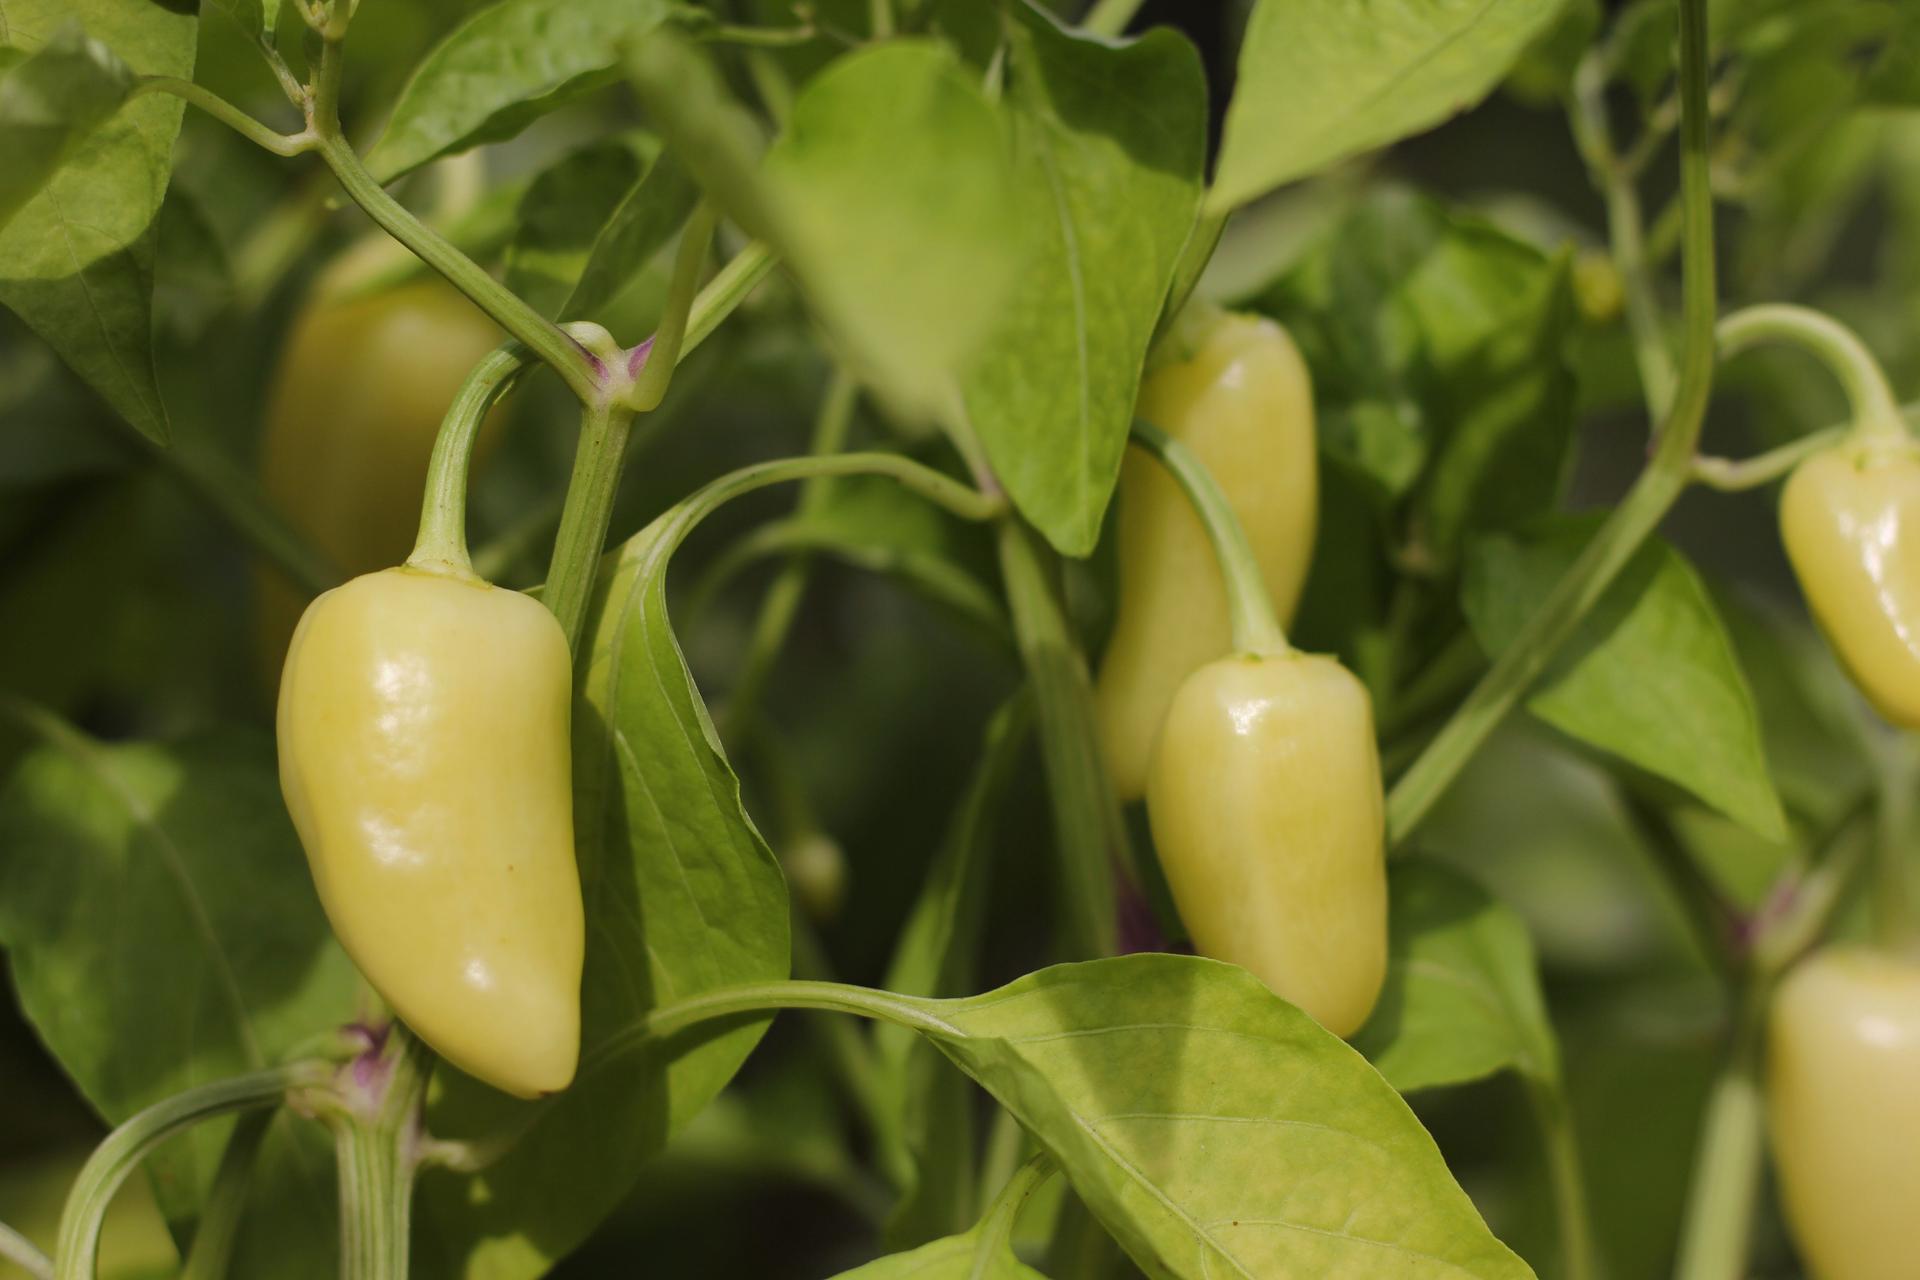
{"x":959,"y":637}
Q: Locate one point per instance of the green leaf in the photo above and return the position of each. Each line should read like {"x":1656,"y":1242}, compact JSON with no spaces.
{"x":256,"y":17}
{"x":893,"y":186}
{"x":937,"y":955}
{"x":654,"y":208}
{"x":1650,"y":676}
{"x":504,"y":68}
{"x":162,"y":933}
{"x":1216,"y":1130}
{"x":76,"y":261}
{"x":1437,"y":346}
{"x":983,"y":1253}
{"x":1320,"y":80}
{"x":1462,"y":998}
{"x":49,"y":103}
{"x":561,"y":216}
{"x":682,"y":896}
{"x":1111,"y":142}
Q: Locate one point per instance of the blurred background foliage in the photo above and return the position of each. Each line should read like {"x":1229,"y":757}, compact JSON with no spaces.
{"x":125,"y":606}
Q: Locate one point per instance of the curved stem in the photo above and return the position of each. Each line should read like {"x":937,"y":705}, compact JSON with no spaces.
{"x":254,"y":131}
{"x":442,"y":544}
{"x":1731,"y":475}
{"x":1638,"y":514}
{"x":1726,"y":1172}
{"x":24,"y":1254}
{"x":996,"y":1228}
{"x":213,"y":1236}
{"x":377,"y":1148}
{"x":1566,"y":1178}
{"x":1876,"y":414}
{"x":726,"y":291}
{"x":661,"y":352}
{"x":512,"y":313}
{"x":768,"y":997}
{"x":78,"y":1245}
{"x":1255,"y":628}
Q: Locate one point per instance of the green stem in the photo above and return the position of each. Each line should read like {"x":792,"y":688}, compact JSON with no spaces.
{"x":24,"y":1254}
{"x":663,"y":349}
{"x":996,"y":1229}
{"x":584,"y":520}
{"x":1256,"y":630}
{"x":726,"y":291}
{"x":1564,"y":1176}
{"x":1110,"y":17}
{"x":1090,"y":834}
{"x":1726,"y":1172}
{"x":219,"y":1224}
{"x":1587,"y":114}
{"x":1638,"y":514}
{"x":254,"y":131}
{"x":770,"y":997}
{"x":1731,"y":475}
{"x":782,"y":600}
{"x":77,"y":1249}
{"x":1876,"y":414}
{"x":880,"y":19}
{"x":507,"y":309}
{"x":377,"y":1144}
{"x":1895,"y":923}
{"x":442,"y":544}
{"x":1814,"y":899}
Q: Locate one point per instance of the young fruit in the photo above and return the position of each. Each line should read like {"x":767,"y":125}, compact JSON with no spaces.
{"x":1843,"y":1107}
{"x":1242,"y":404}
{"x":1850,"y":518}
{"x":351,"y":417}
{"x":1265,"y":802}
{"x":424,"y":757}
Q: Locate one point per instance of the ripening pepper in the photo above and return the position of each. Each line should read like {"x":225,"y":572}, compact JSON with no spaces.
{"x":1265,"y":802}
{"x":351,"y":414}
{"x":1843,"y":1109}
{"x":1850,"y":518}
{"x":424,"y":756}
{"x":1243,"y":405}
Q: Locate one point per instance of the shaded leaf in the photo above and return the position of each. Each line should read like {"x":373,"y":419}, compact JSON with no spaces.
{"x":562,"y":214}
{"x":652,"y":211}
{"x":504,"y":68}
{"x":1462,"y":998}
{"x":1111,"y":140}
{"x":1320,"y":80}
{"x":163,"y":933}
{"x":76,"y":260}
{"x":1650,"y":676}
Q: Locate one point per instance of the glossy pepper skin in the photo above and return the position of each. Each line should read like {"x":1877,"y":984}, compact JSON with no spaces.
{"x":1850,"y":518}
{"x":424,"y":756}
{"x":1265,"y":802}
{"x":352,"y":412}
{"x":1243,"y":405}
{"x":1843,"y":1110}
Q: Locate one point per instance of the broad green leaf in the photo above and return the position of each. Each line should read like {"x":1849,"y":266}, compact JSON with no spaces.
{"x":1650,"y":676}
{"x":162,"y":933}
{"x":76,"y":261}
{"x":562,"y":215}
{"x":682,"y":896}
{"x":1111,"y":141}
{"x":895,"y":204}
{"x":1436,"y":343}
{"x":502,"y":69}
{"x":1216,"y":1130}
{"x":1462,"y":998}
{"x":256,"y":17}
{"x":937,"y":956}
{"x":49,"y":103}
{"x":1320,"y":80}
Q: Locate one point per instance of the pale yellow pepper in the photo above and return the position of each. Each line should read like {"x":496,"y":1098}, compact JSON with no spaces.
{"x":1265,"y":802}
{"x":1242,"y":403}
{"x":1843,"y":1110}
{"x":424,"y":756}
{"x":1850,"y":518}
